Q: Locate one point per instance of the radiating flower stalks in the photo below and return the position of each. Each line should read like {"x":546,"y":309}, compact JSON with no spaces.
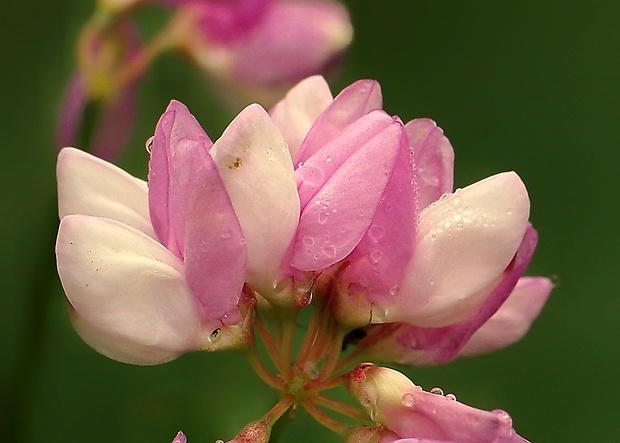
{"x":327,"y":204}
{"x":404,"y":412}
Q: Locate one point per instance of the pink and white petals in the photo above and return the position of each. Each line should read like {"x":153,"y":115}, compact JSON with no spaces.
{"x":414,"y":415}
{"x":256,"y":169}
{"x":513,"y":319}
{"x":351,"y":179}
{"x":433,"y":157}
{"x":193,"y":214}
{"x":295,"y":114}
{"x":178,"y":152}
{"x":90,"y":186}
{"x":127,"y":286}
{"x":353,"y":102}
{"x":465,"y":242}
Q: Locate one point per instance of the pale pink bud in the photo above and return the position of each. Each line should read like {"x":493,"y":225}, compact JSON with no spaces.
{"x":393,"y":401}
{"x":180,"y":438}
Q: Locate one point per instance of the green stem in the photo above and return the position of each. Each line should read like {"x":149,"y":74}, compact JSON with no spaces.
{"x":261,"y":371}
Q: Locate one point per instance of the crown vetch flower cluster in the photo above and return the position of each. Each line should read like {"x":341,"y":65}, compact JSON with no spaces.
{"x":322,"y":203}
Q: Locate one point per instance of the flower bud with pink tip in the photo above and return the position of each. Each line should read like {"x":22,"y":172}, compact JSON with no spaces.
{"x":414,"y":415}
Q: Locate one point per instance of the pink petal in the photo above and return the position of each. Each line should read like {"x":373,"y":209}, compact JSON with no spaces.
{"x":381,"y":257}
{"x":180,"y":438}
{"x":434,"y":160}
{"x":257,"y":171}
{"x":314,"y":173}
{"x":91,"y":186}
{"x":351,"y":104}
{"x":295,"y":114}
{"x":178,"y":148}
{"x":464,"y":243}
{"x":337,"y":216}
{"x":513,"y":319}
{"x":120,"y":282}
{"x":215,"y":255}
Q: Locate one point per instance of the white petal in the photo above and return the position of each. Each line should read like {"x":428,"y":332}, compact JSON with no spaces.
{"x":295,"y":114}
{"x":465,"y":241}
{"x":91,"y":186}
{"x":126,"y":285}
{"x":257,"y":171}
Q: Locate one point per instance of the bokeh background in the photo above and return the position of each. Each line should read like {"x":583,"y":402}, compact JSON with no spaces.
{"x":525,"y":85}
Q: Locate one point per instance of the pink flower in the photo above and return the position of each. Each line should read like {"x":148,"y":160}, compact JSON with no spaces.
{"x":180,"y":438}
{"x":415,"y":416}
{"x":426,"y":265}
{"x":152,"y":274}
{"x":263,"y":46}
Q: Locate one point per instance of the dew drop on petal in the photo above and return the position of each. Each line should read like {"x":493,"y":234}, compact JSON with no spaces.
{"x":322,"y":217}
{"x":308,"y":241}
{"x":149,"y":144}
{"x":502,"y":415}
{"x":375,"y":257}
{"x":329,"y":159}
{"x":407,"y":400}
{"x":219,"y":441}
{"x":226,"y":233}
{"x":376,"y":232}
{"x":437,"y":391}
{"x":329,"y":251}
{"x":451,"y":397}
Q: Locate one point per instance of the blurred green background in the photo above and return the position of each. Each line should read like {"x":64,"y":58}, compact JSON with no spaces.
{"x":529,"y":86}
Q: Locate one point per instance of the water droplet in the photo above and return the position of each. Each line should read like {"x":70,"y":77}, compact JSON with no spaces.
{"x":215,"y":335}
{"x":394,"y":290}
{"x":437,"y":391}
{"x":226,"y":233}
{"x":376,"y":232}
{"x":375,"y":256}
{"x":219,"y":441}
{"x":308,"y":241}
{"x":408,"y":400}
{"x":329,"y":159}
{"x":300,"y":165}
{"x":329,"y":251}
{"x":149,"y":144}
{"x":322,"y":217}
{"x":451,"y":397}
{"x":502,"y":415}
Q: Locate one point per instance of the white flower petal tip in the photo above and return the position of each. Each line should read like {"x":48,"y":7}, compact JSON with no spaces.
{"x":119,"y":281}
{"x":91,"y":186}
{"x":465,"y":242}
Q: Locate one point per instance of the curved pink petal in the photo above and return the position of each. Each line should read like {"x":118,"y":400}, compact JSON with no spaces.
{"x":91,"y":186}
{"x":257,"y":171}
{"x":315,"y":172}
{"x":214,"y":255}
{"x":512,"y":320}
{"x":464,"y":243}
{"x":127,"y":286}
{"x":380,"y":259}
{"x":434,"y":160}
{"x":295,"y":114}
{"x":178,"y":147}
{"x":338,"y":215}
{"x":351,"y":104}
